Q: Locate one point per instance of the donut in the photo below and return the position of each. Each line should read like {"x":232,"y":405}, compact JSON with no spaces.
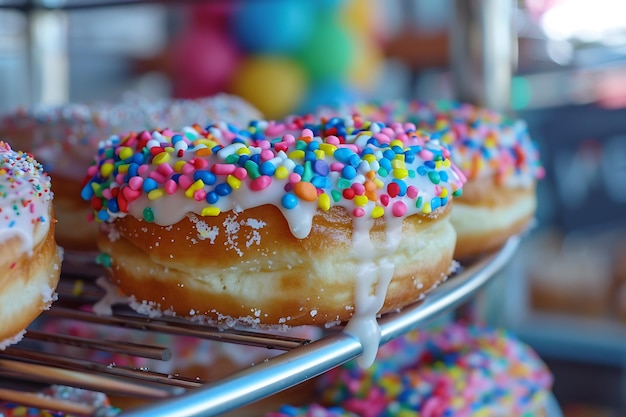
{"x":277,"y":224}
{"x":495,"y":153}
{"x":30,"y":261}
{"x":457,"y":370}
{"x":74,"y":402}
{"x":65,"y":139}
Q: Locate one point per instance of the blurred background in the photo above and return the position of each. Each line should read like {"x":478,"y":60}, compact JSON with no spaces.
{"x":558,"y":64}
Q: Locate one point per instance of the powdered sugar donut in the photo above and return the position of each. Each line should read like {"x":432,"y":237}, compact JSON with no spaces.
{"x":30,"y":261}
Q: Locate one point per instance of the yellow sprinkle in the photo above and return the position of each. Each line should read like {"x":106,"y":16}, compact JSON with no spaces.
{"x":207,"y":142}
{"x":243,"y":151}
{"x":297,"y":154}
{"x":193,"y":188}
{"x":426,"y":208}
{"x":210,"y":211}
{"x":3,"y":171}
{"x":444,"y":193}
{"x":400,"y":173}
{"x":161,"y":158}
{"x":169,"y":149}
{"x":106,"y":169}
{"x":327,"y":148}
{"x":398,"y":163}
{"x":281,"y":173}
{"x":323,"y":201}
{"x":378,"y":183}
{"x":319,"y":154}
{"x":126,"y":152}
{"x":123,"y":169}
{"x":178,"y":166}
{"x":360,"y":200}
{"x":378,"y":212}
{"x":234,"y":182}
{"x":396,"y":142}
{"x":369,"y":158}
{"x":78,"y":287}
{"x":156,"y":194}
{"x":446,"y":163}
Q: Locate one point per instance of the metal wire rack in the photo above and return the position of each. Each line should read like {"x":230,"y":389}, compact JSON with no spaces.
{"x":31,"y":364}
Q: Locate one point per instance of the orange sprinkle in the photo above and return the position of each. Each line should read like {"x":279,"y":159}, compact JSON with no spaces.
{"x":204,"y":152}
{"x":305,"y":190}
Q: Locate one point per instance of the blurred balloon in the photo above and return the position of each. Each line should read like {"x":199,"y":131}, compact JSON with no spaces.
{"x":273,"y":26}
{"x":274,"y":84}
{"x":202,"y":62}
{"x":362,"y":16}
{"x":215,"y":15}
{"x":366,"y":64}
{"x":331,"y":94}
{"x":328,"y":53}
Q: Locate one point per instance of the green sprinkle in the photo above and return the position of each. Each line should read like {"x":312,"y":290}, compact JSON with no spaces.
{"x":301,"y":145}
{"x":336,"y":195}
{"x":434,"y":177}
{"x":412,"y":173}
{"x":232,"y":158}
{"x":148,"y":215}
{"x":109,"y":153}
{"x":458,"y":193}
{"x":252,"y":168}
{"x":307,"y":175}
{"x":383,"y":172}
{"x":104,"y":259}
{"x":418,"y":202}
{"x":343,"y":183}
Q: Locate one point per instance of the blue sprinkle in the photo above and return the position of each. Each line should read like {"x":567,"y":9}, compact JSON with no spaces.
{"x":443,"y":176}
{"x":430,"y":164}
{"x":299,"y":169}
{"x":216,"y":148}
{"x":373,"y":142}
{"x":132,"y":169}
{"x":409,"y":157}
{"x":310,"y":156}
{"x":267,"y":168}
{"x":348,"y":172}
{"x":207,"y":177}
{"x":444,"y":201}
{"x":321,"y":167}
{"x":112,"y":205}
{"x":12,"y":223}
{"x":223,"y":189}
{"x":87,"y":192}
{"x":343,"y":155}
{"x":176,"y":138}
{"x":211,"y":197}
{"x":389,"y":154}
{"x":354,"y":160}
{"x":103,"y":215}
{"x":385,"y":163}
{"x":397,"y":149}
{"x":256,"y":158}
{"x":149,"y":184}
{"x":320,"y":181}
{"x":402,"y":186}
{"x":175,"y":177}
{"x":138,"y":159}
{"x":289,"y":201}
{"x":435,"y":203}
{"x":422,"y":170}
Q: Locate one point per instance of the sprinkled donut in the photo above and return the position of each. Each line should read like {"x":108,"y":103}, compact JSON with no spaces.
{"x":277,"y":224}
{"x":65,"y":139}
{"x":30,"y":261}
{"x":496,"y":154}
{"x":458,"y":371}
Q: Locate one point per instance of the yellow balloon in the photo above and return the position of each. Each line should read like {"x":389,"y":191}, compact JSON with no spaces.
{"x":360,"y":15}
{"x":366,"y":64}
{"x":274,"y":84}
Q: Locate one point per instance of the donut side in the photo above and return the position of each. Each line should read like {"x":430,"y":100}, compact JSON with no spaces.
{"x":249,"y":267}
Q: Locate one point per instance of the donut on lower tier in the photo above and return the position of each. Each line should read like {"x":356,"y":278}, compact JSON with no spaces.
{"x":276,"y":224}
{"x":458,"y":370}
{"x":495,"y":153}
{"x":30,"y":262}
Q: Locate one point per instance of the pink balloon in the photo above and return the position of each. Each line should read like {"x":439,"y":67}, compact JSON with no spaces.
{"x":203,"y":61}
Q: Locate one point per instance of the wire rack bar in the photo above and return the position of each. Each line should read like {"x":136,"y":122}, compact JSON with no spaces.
{"x":299,"y":365}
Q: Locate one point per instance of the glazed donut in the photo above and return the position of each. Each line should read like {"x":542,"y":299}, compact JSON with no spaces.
{"x":65,"y":140}
{"x":339,"y":221}
{"x":458,"y":370}
{"x":496,"y":154}
{"x":29,"y":257}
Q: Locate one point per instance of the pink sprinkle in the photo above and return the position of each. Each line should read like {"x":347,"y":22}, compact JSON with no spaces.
{"x":359,"y":189}
{"x":384,"y":199}
{"x":187,"y":169}
{"x":294,"y":178}
{"x":199,"y":195}
{"x":119,"y":178}
{"x":145,"y":135}
{"x":223,"y":169}
{"x":160,"y":178}
{"x":350,"y":146}
{"x":426,"y":155}
{"x":31,"y":208}
{"x":388,"y":131}
{"x":142,"y":169}
{"x":382,"y":138}
{"x":130,"y":194}
{"x":336,"y":166}
{"x":398,"y":208}
{"x":274,"y":129}
{"x":263,"y":144}
{"x":240,"y":173}
{"x":90,"y":217}
{"x":170,"y":186}
{"x":135,"y":183}
{"x":165,"y":169}
{"x":458,"y":172}
{"x":168,"y":132}
{"x":446,"y":153}
{"x":91,"y":171}
{"x":266,"y":154}
{"x":358,"y":212}
{"x":260,"y":183}
{"x":281,"y":146}
{"x":332,"y":140}
{"x":307,"y":133}
{"x":185,"y":182}
{"x":437,"y":190}
{"x":106,"y":193}
{"x":289,"y":139}
{"x":412,"y":191}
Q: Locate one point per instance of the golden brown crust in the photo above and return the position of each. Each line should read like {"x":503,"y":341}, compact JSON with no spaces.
{"x":27,"y":282}
{"x":74,"y":232}
{"x":231,"y":267}
{"x":486,"y":215}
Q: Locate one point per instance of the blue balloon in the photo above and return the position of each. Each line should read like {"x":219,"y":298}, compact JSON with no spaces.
{"x":332,"y":94}
{"x":273,"y":26}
